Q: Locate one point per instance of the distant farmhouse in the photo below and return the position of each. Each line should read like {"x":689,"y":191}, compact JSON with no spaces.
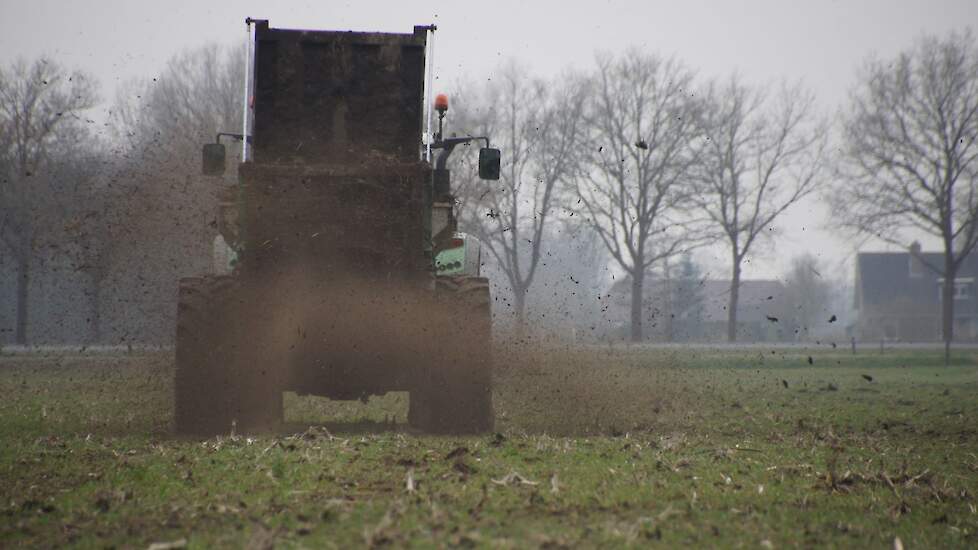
{"x":898,"y":296}
{"x":698,"y":311}
{"x":760,"y":311}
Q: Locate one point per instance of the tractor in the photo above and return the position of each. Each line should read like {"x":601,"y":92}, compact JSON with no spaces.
{"x":341,"y":270}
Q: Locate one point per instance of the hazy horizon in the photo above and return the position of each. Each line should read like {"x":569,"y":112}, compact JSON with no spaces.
{"x":820,"y":44}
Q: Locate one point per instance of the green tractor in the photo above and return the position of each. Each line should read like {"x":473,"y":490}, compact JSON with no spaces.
{"x":341,"y":270}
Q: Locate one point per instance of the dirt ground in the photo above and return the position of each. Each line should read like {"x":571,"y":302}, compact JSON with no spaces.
{"x":595,"y":446}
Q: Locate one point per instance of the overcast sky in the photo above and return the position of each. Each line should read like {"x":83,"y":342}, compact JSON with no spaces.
{"x":821,"y":43}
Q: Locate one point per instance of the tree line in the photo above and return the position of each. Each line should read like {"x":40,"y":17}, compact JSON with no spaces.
{"x":634,"y":161}
{"x":100,"y":218}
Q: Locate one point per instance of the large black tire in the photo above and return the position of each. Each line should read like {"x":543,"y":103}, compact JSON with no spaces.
{"x":221,"y":383}
{"x":454,"y":395}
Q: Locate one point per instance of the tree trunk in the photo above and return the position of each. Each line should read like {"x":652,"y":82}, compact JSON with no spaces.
{"x":96,"y":330}
{"x":519,"y":304}
{"x":23,"y":286}
{"x":734,"y":298}
{"x":670,"y":309}
{"x":638,"y":284}
{"x":947,"y":303}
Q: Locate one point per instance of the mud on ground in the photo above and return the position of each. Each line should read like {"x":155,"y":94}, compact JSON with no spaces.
{"x":596,"y":446}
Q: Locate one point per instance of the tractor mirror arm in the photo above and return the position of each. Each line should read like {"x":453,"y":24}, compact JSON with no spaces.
{"x":447,"y":145}
{"x":452,"y":142}
{"x":236,"y":137}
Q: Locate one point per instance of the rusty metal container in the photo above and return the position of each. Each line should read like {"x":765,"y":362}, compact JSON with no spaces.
{"x":323,"y":96}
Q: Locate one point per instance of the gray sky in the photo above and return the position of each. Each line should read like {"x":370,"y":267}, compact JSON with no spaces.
{"x":819,"y":42}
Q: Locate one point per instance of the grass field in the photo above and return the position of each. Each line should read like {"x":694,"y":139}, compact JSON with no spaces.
{"x":596,"y":447}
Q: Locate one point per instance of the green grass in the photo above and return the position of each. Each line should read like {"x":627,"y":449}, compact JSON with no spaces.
{"x":596,"y":447}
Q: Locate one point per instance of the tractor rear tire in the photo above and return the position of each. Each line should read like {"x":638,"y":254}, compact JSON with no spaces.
{"x":221,"y":386}
{"x":455,"y":393}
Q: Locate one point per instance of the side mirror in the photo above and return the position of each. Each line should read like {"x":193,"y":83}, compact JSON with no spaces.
{"x":489,"y":163}
{"x":213,"y":155}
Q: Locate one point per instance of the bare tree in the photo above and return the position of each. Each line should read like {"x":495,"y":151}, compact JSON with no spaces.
{"x":686,"y":314}
{"x":638,"y":151}
{"x":807,"y":296}
{"x":196,"y":95}
{"x":911,"y":159}
{"x":41,"y":118}
{"x":761,"y":155}
{"x":569,"y":295}
{"x":160,"y":205}
{"x":537,"y":125}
